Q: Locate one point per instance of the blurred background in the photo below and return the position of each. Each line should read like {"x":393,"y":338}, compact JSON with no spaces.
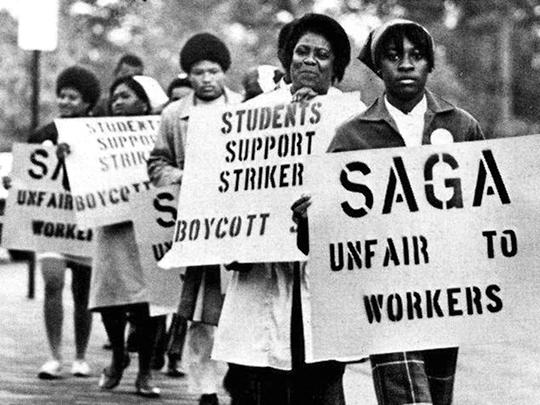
{"x":488,"y":51}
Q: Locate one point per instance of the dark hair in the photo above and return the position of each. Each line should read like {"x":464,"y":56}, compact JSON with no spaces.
{"x":204,"y":46}
{"x":328,"y":28}
{"x":129,"y":59}
{"x":178,"y":82}
{"x":283,"y":36}
{"x":133,"y":85}
{"x":395,"y":35}
{"x":82,"y":80}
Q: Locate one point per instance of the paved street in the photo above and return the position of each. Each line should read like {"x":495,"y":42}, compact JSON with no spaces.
{"x":488,"y":375}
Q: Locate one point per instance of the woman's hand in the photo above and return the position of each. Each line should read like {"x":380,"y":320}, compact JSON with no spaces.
{"x":7,"y":182}
{"x":299,"y":208}
{"x":304,"y":94}
{"x":62,"y":150}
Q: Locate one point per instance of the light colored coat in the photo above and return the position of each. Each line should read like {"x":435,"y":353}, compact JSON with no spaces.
{"x":255,"y":324}
{"x":166,"y":161}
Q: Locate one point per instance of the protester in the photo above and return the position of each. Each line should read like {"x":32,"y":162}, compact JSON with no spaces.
{"x":179,"y":88}
{"x":406,"y":115}
{"x":206,"y":59}
{"x":77,"y":91}
{"x":260,"y":332}
{"x":118,"y":287}
{"x":128,"y":65}
{"x":260,"y":79}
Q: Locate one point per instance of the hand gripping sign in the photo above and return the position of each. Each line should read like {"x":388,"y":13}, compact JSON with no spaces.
{"x":416,"y":248}
{"x":244,"y":168}
{"x":40,"y":212}
{"x":107,"y":164}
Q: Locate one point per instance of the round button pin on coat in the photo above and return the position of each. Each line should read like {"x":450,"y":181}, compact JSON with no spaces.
{"x":441,"y":136}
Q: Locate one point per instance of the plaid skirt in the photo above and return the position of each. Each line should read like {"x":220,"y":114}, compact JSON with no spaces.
{"x":420,"y":377}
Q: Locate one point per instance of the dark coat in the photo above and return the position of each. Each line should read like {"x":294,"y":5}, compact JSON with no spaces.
{"x":374,"y":128}
{"x":45,"y":133}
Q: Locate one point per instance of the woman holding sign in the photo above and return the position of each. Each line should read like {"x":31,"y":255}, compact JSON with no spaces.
{"x":401,"y":53}
{"x":260,"y":332}
{"x":77,"y":91}
{"x":118,"y":287}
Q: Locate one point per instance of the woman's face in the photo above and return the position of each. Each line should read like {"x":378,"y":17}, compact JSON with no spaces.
{"x":126,"y":102}
{"x":312,"y":63}
{"x":404,"y":73}
{"x":71,"y":104}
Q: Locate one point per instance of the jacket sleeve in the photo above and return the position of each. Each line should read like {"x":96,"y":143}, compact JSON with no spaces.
{"x":162,"y":164}
{"x":472,"y":130}
{"x":475,"y":132}
{"x":342,"y":140}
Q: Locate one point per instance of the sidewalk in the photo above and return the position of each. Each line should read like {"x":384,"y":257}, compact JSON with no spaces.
{"x":23,"y":349}
{"x":487,"y":375}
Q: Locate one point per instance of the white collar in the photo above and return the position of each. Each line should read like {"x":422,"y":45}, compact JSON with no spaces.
{"x":418,"y":111}
{"x":410,"y":126}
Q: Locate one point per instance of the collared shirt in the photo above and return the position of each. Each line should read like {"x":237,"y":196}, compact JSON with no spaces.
{"x":410,"y":125}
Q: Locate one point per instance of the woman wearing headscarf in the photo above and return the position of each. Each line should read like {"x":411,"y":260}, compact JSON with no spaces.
{"x":260,"y":332}
{"x":401,"y":53}
{"x":77,"y":91}
{"x":118,"y":287}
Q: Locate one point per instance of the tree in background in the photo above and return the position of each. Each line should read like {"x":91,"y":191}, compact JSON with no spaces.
{"x":499,"y":42}
{"x":488,"y":53}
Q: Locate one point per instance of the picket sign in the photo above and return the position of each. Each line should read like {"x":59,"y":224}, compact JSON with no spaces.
{"x":40,"y":212}
{"x":244,"y":168}
{"x":154,"y":227}
{"x":416,"y":248}
{"x":107,"y":164}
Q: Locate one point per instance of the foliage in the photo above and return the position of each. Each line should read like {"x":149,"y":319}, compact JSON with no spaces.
{"x":468,"y":67}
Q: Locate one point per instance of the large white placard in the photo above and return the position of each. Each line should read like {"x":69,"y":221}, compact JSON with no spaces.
{"x":40,"y":212}
{"x":107,"y":164}
{"x":414,"y":248}
{"x":154,"y":227}
{"x":244,"y":168}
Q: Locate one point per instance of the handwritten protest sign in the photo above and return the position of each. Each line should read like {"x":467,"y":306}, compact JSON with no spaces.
{"x":414,"y":248}
{"x":40,"y":213}
{"x":154,"y":227}
{"x":244,"y":168}
{"x":107,"y":164}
